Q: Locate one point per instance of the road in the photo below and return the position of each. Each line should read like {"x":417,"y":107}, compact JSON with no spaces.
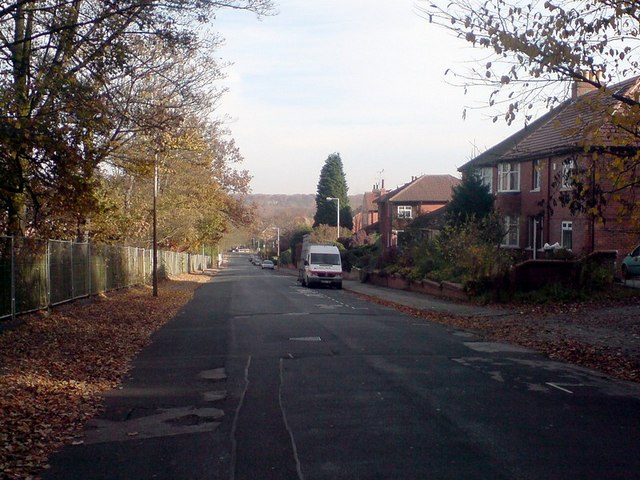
{"x":260,"y":378}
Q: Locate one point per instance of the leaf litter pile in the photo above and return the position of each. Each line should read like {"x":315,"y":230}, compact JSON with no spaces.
{"x":54,"y":369}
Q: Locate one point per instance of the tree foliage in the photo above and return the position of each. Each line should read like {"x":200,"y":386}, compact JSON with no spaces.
{"x":200,"y":194}
{"x":538,"y":52}
{"x":85,"y":84}
{"x":470,"y":199}
{"x":332,"y":183}
{"x":534,"y":44}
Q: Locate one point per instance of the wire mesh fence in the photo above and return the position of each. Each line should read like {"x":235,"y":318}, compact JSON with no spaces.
{"x":37,"y":274}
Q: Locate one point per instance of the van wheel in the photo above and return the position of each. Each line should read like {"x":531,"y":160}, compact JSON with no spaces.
{"x":339,"y":286}
{"x":625,"y":272}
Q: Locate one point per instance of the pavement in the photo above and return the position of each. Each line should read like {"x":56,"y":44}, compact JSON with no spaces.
{"x":419,"y":301}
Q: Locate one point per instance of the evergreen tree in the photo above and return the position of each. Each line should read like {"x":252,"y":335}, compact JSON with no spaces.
{"x":470,"y":200}
{"x":332,"y":183}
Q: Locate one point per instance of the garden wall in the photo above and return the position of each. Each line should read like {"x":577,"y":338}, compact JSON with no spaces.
{"x":450,"y":290}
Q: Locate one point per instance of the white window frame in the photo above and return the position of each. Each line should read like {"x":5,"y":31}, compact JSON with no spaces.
{"x":508,"y":177}
{"x":534,"y":223}
{"x":536,"y":175}
{"x":485,"y":174}
{"x":567,"y":226}
{"x":511,"y":237}
{"x":405,"y":211}
{"x":568,"y":170}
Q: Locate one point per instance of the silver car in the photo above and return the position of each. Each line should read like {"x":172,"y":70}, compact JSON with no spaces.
{"x":267,"y":264}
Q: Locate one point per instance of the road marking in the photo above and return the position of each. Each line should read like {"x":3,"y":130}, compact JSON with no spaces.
{"x":286,"y":424}
{"x":558,"y":387}
{"x":305,"y":339}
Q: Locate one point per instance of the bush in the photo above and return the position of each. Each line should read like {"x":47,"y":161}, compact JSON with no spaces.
{"x":466,"y":254}
{"x":285,"y":257}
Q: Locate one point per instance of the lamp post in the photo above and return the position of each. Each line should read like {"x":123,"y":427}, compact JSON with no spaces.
{"x":338,"y":211}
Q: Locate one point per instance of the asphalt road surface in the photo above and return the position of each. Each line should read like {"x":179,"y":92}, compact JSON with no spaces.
{"x":260,"y":378}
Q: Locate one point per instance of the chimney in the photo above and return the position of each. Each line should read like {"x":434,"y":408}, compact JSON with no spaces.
{"x":383,"y":184}
{"x":579,"y":87}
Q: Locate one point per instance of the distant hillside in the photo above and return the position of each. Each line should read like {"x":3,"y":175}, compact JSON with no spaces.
{"x":291,"y":209}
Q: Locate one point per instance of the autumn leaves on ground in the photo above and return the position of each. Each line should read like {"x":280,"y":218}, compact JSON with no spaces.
{"x":54,"y":369}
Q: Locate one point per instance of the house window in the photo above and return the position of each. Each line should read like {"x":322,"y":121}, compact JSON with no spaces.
{"x":535,"y":175}
{"x":509,"y":177}
{"x":568,"y":170}
{"x":567,"y":235}
{"x":512,"y":231}
{"x":404,"y":211}
{"x":485,"y":174}
{"x":534,"y":233}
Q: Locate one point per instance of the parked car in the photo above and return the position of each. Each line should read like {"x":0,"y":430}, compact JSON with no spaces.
{"x":631,"y":263}
{"x":267,"y":264}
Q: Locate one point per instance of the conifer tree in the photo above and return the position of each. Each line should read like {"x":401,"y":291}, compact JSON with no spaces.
{"x":470,"y":200}
{"x":333,"y":184}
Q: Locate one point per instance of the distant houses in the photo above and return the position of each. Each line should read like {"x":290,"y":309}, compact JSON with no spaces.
{"x":390,"y":212}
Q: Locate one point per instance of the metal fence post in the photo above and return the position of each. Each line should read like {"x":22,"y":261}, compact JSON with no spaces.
{"x":13,"y":279}
{"x":73,"y":286}
{"x":89,"y":266}
{"x":48,"y":274}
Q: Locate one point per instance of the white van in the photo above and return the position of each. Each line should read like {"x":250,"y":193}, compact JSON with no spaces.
{"x":319,"y":264}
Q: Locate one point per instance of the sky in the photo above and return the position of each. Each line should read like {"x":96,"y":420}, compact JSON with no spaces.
{"x":364,"y":78}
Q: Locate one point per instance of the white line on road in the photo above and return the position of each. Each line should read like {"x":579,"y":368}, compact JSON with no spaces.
{"x":286,"y":424}
{"x":558,"y":387}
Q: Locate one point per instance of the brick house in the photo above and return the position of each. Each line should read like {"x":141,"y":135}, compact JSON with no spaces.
{"x":367,"y":217}
{"x":528,"y":172}
{"x":398,"y":208}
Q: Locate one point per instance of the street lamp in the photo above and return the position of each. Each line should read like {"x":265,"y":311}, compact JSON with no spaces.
{"x":338,"y":210}
{"x":278,"y":247}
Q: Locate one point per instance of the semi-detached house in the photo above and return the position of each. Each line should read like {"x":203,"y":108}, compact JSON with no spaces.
{"x":528,"y":172}
{"x":399,"y":207}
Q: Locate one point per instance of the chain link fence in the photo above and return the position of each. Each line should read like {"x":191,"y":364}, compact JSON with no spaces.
{"x":37,"y":274}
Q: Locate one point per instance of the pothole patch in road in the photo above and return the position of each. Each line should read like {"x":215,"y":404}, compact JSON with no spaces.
{"x":214,"y":396}
{"x":327,"y":306}
{"x":191,"y":419}
{"x":164,"y":423}
{"x":495,"y":347}
{"x":215,"y":374}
